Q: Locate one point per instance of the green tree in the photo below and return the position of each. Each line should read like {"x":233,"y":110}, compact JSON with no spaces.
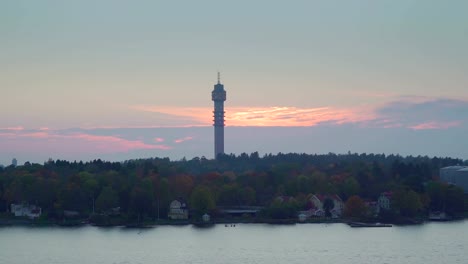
{"x":91,"y":188}
{"x":350,"y":187}
{"x":163,"y":196}
{"x":328,"y":205}
{"x":407,"y":201}
{"x":229,"y":195}
{"x":107,"y":199}
{"x":282,"y":209}
{"x":247,"y":196}
{"x":73,"y":198}
{"x":436,"y":192}
{"x":202,"y":200}
{"x":454,"y":200}
{"x":141,"y":199}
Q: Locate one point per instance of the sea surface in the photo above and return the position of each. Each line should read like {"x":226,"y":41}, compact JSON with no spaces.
{"x":430,"y":243}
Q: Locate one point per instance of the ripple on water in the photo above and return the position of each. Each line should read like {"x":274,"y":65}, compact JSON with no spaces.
{"x":260,"y":244}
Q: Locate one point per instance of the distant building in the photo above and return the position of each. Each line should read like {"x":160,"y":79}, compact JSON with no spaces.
{"x":315,"y":206}
{"x":70,"y":213}
{"x":373,"y":208}
{"x":456,"y":175}
{"x":178,"y":210}
{"x":238,"y":211}
{"x":206,"y":218}
{"x":438,"y":216}
{"x":14,"y":162}
{"x":218,"y":96}
{"x":302,"y":217}
{"x":25,"y":209}
{"x":284,"y":199}
{"x":385,"y":200}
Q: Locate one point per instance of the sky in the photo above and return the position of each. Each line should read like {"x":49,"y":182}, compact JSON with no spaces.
{"x":117,"y":80}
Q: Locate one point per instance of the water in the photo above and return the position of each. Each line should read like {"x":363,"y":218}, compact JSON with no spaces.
{"x":246,"y":243}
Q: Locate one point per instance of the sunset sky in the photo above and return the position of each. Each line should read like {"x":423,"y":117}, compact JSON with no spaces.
{"x":118,"y":80}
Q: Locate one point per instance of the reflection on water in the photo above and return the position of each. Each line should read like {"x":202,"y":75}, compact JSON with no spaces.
{"x":244,"y":243}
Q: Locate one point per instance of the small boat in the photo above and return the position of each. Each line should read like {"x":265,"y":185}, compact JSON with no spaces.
{"x":359,"y":224}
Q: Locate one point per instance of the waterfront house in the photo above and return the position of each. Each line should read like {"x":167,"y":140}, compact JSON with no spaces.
{"x":385,"y":200}
{"x":301,"y":217}
{"x":239,"y":211}
{"x":373,"y":208}
{"x":70,"y":213}
{"x":438,"y":216}
{"x":178,"y":210}
{"x":284,"y":199}
{"x":206,"y":218}
{"x":316,"y":202}
{"x":25,"y":209}
{"x":113,"y":211}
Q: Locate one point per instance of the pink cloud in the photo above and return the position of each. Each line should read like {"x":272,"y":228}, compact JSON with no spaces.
{"x":36,"y":135}
{"x":159,"y":139}
{"x":113,"y":143}
{"x":180,"y":140}
{"x":267,"y":116}
{"x":17,"y":128}
{"x":435,"y":125}
{"x":75,"y":142}
{"x":7,"y":135}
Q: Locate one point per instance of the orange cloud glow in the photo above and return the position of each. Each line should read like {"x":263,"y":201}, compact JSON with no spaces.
{"x":116,"y":143}
{"x":267,"y":116}
{"x":292,"y":116}
{"x":17,"y":128}
{"x":180,"y":140}
{"x":436,"y":125}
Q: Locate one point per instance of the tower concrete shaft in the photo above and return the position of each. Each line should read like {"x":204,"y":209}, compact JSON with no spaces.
{"x":218,"y":96}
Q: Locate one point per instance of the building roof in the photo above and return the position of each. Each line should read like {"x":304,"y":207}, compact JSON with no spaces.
{"x":323,"y":197}
{"x":456,"y":167}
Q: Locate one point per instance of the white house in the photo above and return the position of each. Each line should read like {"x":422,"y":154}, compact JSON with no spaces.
{"x":385,"y":200}
{"x":302,"y":217}
{"x":373,"y":208}
{"x":316,"y":205}
{"x":206,"y":218}
{"x":70,"y":213}
{"x":24,"y":209}
{"x":178,"y":210}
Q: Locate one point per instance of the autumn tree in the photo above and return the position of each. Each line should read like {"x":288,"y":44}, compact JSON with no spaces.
{"x":355,"y":207}
{"x":181,"y":185}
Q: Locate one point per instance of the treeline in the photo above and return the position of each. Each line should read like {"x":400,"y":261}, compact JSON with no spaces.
{"x":145,"y":187}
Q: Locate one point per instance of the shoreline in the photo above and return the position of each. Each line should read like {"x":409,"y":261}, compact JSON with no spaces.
{"x":152,"y":224}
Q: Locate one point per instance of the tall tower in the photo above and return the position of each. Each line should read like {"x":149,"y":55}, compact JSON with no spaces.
{"x":218,"y":96}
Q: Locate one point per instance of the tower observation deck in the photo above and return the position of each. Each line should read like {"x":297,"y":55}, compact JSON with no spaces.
{"x":218,"y":96}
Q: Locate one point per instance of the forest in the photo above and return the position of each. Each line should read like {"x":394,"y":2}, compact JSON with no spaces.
{"x":144,"y":188}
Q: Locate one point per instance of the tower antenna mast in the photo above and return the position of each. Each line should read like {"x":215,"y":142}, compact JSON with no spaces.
{"x":218,"y":95}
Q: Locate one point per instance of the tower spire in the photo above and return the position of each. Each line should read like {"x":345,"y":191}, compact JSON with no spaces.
{"x":219,"y":78}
